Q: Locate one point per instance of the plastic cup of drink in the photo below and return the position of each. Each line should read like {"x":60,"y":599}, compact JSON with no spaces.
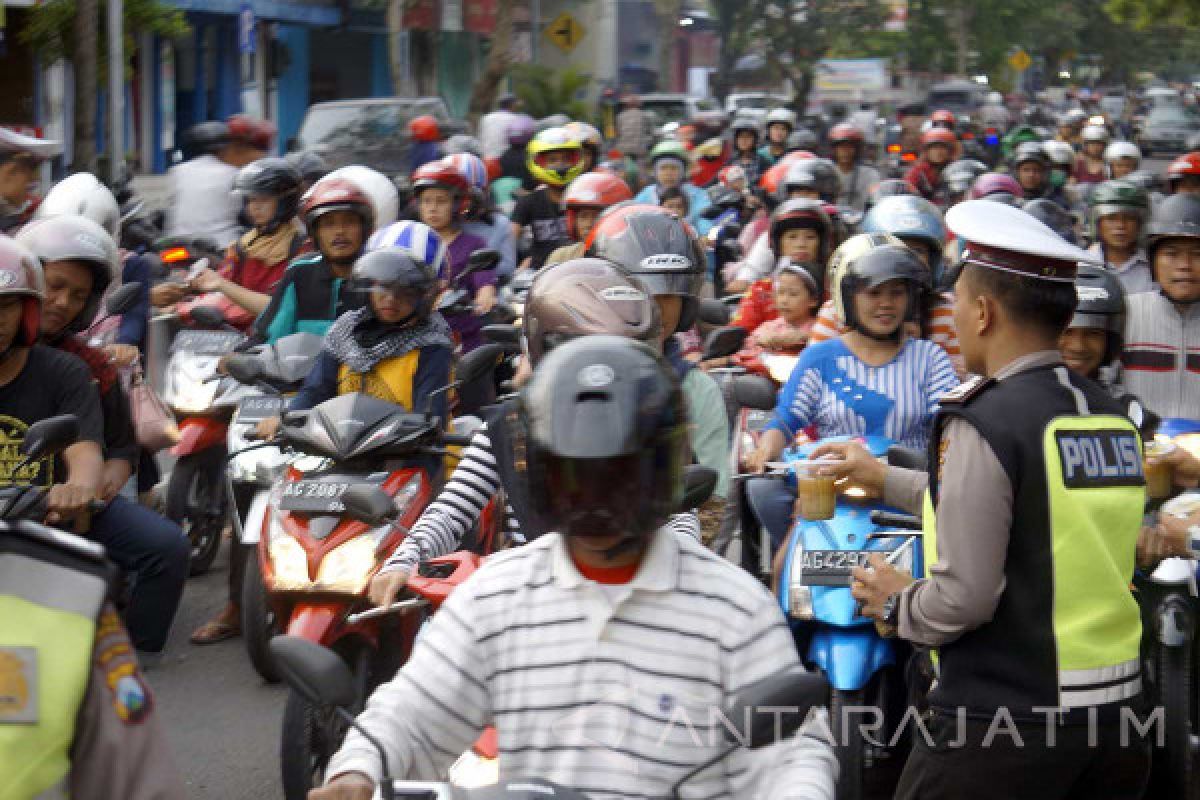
{"x":1159,"y":475}
{"x":816,"y":492}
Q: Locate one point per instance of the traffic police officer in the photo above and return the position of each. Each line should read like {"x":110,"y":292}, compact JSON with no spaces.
{"x":76,"y":717}
{"x":1036,"y":478}
{"x":20,"y":156}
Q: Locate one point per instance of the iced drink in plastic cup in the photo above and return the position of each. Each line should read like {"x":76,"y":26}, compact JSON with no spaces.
{"x":816,"y":493}
{"x":1159,"y":475}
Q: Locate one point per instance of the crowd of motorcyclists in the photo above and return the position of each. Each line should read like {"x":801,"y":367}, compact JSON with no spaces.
{"x":1064,"y":271}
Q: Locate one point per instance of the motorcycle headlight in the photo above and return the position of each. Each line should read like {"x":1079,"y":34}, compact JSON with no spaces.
{"x":194,"y":398}
{"x":348,"y":568}
{"x":288,"y":561}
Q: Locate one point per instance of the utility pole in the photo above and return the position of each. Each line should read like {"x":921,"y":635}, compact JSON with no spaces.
{"x":116,"y":89}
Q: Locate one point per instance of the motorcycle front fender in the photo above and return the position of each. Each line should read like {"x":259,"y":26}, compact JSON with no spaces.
{"x":316,"y":622}
{"x":197,"y":434}
{"x":850,"y":656}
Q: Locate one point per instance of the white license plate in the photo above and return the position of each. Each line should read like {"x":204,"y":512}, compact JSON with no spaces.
{"x":255,"y":409}
{"x":319,"y":495}
{"x":831,"y":567}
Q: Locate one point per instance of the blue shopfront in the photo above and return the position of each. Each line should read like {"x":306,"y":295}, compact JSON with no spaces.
{"x":296,"y":54}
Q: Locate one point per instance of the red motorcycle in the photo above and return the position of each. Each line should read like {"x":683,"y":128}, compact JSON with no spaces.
{"x":363,"y":475}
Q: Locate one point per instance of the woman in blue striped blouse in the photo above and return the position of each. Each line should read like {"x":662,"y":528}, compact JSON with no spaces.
{"x":875,"y":379}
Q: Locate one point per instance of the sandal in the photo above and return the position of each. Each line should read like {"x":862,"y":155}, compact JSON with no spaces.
{"x":215,"y":631}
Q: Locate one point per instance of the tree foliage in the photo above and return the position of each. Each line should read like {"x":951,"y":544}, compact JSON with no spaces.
{"x":1144,"y":14}
{"x":50,"y":30}
{"x":791,"y":35}
{"x":545,"y":91}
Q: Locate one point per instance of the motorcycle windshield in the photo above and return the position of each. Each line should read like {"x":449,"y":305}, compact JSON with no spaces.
{"x":356,"y":425}
{"x":288,"y":361}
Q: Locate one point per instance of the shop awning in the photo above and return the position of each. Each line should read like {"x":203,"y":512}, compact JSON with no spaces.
{"x":267,"y":9}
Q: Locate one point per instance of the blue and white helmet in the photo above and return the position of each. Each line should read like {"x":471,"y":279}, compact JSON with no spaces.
{"x":909,"y":217}
{"x":420,"y":240}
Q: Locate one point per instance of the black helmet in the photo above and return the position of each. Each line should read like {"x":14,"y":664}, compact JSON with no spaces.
{"x":818,"y":174}
{"x":802,"y":139}
{"x":273,"y":177}
{"x":395,"y":269}
{"x":1100,"y":303}
{"x":1030,"y":151}
{"x":206,"y":138}
{"x":656,"y":246}
{"x":875,"y":267}
{"x":1178,"y":216}
{"x":960,"y":175}
{"x":310,"y":166}
{"x":802,"y":213}
{"x":1055,"y":217}
{"x":607,"y":440}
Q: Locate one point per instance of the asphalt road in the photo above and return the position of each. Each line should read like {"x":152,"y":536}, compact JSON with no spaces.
{"x":222,"y":720}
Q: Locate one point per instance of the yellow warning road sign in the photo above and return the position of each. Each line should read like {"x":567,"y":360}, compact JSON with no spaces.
{"x":565,"y":31}
{"x":1020,"y":61}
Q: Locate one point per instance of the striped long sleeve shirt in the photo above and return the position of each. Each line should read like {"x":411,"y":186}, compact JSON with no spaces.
{"x":475,"y":480}
{"x":615,"y":691}
{"x":841,"y":395}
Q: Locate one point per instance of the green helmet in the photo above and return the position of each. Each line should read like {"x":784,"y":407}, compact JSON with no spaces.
{"x":670,"y":148}
{"x":1115,"y":197}
{"x":1016,"y":137}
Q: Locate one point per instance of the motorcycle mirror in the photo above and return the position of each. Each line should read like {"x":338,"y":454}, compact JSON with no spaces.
{"x":503,"y":313}
{"x":369,"y":504}
{"x":714,"y":312}
{"x":724,"y":342}
{"x":207,"y":316}
{"x":49,"y":437}
{"x":317,"y":673}
{"x":754,"y":391}
{"x":123,"y":299}
{"x":760,"y":707}
{"x":502,"y":335}
{"x":698,"y":485}
{"x":480,"y":260}
{"x":478,"y":363}
{"x":244,"y":369}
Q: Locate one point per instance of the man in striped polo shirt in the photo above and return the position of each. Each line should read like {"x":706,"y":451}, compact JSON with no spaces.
{"x":603,"y":654}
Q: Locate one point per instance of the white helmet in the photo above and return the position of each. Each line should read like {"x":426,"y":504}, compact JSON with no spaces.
{"x":1061,"y":154}
{"x":784,"y":115}
{"x":385,"y":199}
{"x":995,"y":99}
{"x":1122,"y":150}
{"x":1095,"y":133}
{"x":83,"y":195}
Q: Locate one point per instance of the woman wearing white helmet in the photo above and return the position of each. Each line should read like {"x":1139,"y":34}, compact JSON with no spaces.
{"x":84,"y":195}
{"x":1090,"y":166}
{"x":1122,"y":158}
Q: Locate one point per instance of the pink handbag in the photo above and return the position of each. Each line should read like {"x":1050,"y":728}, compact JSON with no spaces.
{"x":153,"y":423}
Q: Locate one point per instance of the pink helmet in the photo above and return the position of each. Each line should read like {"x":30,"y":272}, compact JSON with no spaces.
{"x":996,"y":183}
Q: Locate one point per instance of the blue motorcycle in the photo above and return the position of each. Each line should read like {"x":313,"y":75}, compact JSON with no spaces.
{"x":1170,"y":606}
{"x":866,"y":669}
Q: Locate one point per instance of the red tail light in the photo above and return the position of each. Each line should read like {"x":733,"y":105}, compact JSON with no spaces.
{"x":909,"y":157}
{"x":174,"y":255}
{"x":893,"y":148}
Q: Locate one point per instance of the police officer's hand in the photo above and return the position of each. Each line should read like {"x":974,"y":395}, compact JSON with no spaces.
{"x":1167,"y":539}
{"x":852,"y":462}
{"x":348,"y":786}
{"x":70,"y":503}
{"x":386,"y":585}
{"x":1185,"y":468}
{"x":875,"y":585}
{"x":121,"y":355}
